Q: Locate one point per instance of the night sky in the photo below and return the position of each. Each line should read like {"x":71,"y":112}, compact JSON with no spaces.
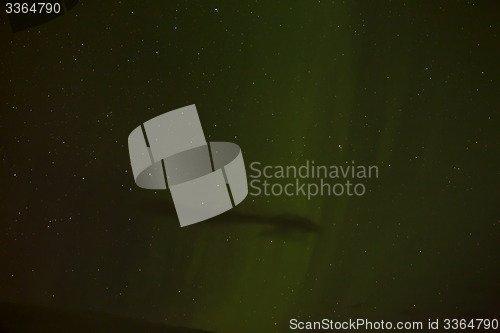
{"x":410,"y":86}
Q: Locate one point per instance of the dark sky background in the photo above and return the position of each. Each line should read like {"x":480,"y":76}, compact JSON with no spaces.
{"x":409,"y":86}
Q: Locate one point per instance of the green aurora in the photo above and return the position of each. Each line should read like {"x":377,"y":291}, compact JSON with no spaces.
{"x":408,"y":86}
